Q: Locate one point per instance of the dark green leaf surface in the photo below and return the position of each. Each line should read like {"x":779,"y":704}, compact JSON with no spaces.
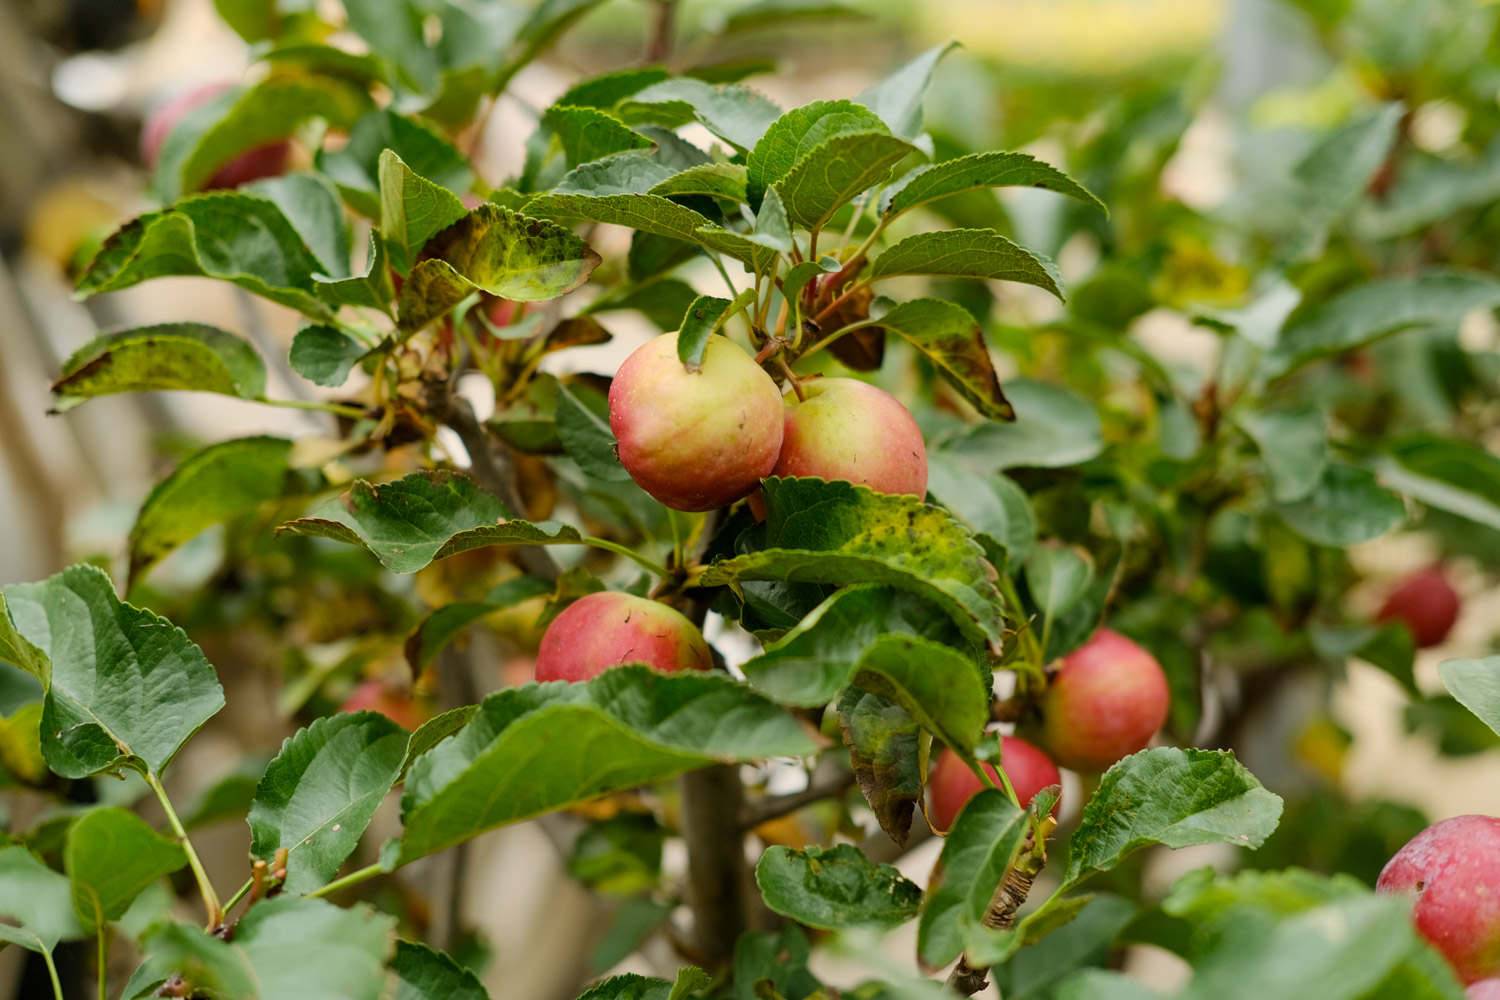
{"x":1084,"y":940}
{"x":356,"y":167}
{"x":439,"y":628}
{"x":372,"y":289}
{"x":976,"y":853}
{"x":111,"y":856}
{"x":209,"y":487}
{"x":838,"y":533}
{"x":967,"y":253}
{"x":583,"y":428}
{"x":124,"y":685}
{"x":654,"y":214}
{"x":1057,"y":577}
{"x":663,"y":302}
{"x":1476,"y":685}
{"x":231,"y":236}
{"x":951,"y":339}
{"x":796,"y":134}
{"x":832,"y":173}
{"x":704,"y":318}
{"x":587,"y":134}
{"x":325,"y":355}
{"x":38,"y":899}
{"x":981,"y":170}
{"x":311,"y":204}
{"x":725,"y":181}
{"x":320,"y":792}
{"x":620,"y":855}
{"x":633,"y":172}
{"x":1177,"y":798}
{"x":993,"y":506}
{"x":190,"y":357}
{"x":423,"y":517}
{"x":412,"y":209}
{"x":538,"y":748}
{"x":423,"y":973}
{"x":1448,"y":474}
{"x":1346,"y":508}
{"x":835,"y":887}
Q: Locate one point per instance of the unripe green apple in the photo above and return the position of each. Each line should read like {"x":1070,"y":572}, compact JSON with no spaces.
{"x":607,"y":629}
{"x":695,"y":440}
{"x":953,"y":784}
{"x":270,"y":160}
{"x":375,"y":696}
{"x":1426,"y":602}
{"x":848,"y":429}
{"x":1106,"y":702}
{"x":1451,"y":870}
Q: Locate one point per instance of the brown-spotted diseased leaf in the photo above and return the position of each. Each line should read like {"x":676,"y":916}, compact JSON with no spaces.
{"x":953,"y":341}
{"x":884,"y":744}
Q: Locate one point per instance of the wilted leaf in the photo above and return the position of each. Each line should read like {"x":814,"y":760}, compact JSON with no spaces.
{"x":190,"y":357}
{"x":835,"y":887}
{"x":884,"y":744}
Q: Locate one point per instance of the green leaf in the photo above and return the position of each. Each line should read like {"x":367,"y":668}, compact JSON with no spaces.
{"x":631,"y":172}
{"x":537,"y":748}
{"x":211,"y":486}
{"x":620,"y":855}
{"x":228,"y":797}
{"x":773,"y":964}
{"x":421,"y":518}
{"x":663,"y":302}
{"x":948,"y":335}
{"x":897,"y":99}
{"x":835,"y":887}
{"x":724,"y":181}
{"x":284,"y":948}
{"x":495,"y":250}
{"x":834,"y":532}
{"x":885,"y":754}
{"x":704,"y":318}
{"x":1334,"y":175}
{"x":789,"y":14}
{"x":976,"y":853}
{"x":21,"y":745}
{"x":733,"y":112}
{"x":608,"y":89}
{"x":1057,"y":576}
{"x":396,"y":33}
{"x":1378,"y":309}
{"x":1294,"y":445}
{"x":887,"y":642}
{"x":831,"y":174}
{"x":773,"y":229}
{"x":1101,"y":984}
{"x":325,"y":355}
{"x":583,"y":427}
{"x":320,"y":792}
{"x":356,"y":167}
{"x":967,"y":253}
{"x":1346,"y":508}
{"x":412,"y":209}
{"x":124,"y":686}
{"x":1430,"y":189}
{"x":1085,"y":939}
{"x":423,"y":973}
{"x":1476,"y":685}
{"x":311,"y":204}
{"x":796,"y":134}
{"x":38,"y":899}
{"x":190,"y":357}
{"x":248,"y":119}
{"x":1389,"y":647}
{"x":993,"y":506}
{"x":650,"y":213}
{"x":587,"y":134}
{"x":439,"y":628}
{"x":981,"y":170}
{"x":232,"y":236}
{"x":1054,"y":428}
{"x":373,"y":289}
{"x":111,"y":856}
{"x":1177,"y":798}
{"x":1446,"y":473}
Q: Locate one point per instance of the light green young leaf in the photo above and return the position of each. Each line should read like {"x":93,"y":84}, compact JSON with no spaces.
{"x":967,"y":253}
{"x":632,"y":172}
{"x":952,"y":340}
{"x":421,"y":518}
{"x":325,"y":355}
{"x":980,"y":170}
{"x":124,"y":686}
{"x":1294,"y":445}
{"x":423,"y":973}
{"x":733,"y":112}
{"x":190,"y":357}
{"x":1174,"y":797}
{"x":209,"y":487}
{"x":320,"y":792}
{"x":835,"y":887}
{"x":356,"y":167}
{"x":834,"y":172}
{"x":1476,"y":685}
{"x":38,"y":899}
{"x":796,"y":134}
{"x":111,"y":856}
{"x":1346,"y":508}
{"x":834,"y":532}
{"x":229,"y":235}
{"x":412,"y":209}
{"x":976,"y":853}
{"x":704,"y":318}
{"x":1054,"y":428}
{"x":898,"y":98}
{"x":537,"y":748}
{"x":372,"y":289}
{"x":724,"y":181}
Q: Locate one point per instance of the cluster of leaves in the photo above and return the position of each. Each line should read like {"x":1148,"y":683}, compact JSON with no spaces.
{"x":1221,"y":504}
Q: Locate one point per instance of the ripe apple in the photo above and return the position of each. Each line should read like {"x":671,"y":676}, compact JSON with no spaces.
{"x":848,"y":429}
{"x":1106,"y":702}
{"x":953,"y":784}
{"x":1426,"y":602}
{"x":607,"y":629}
{"x":269,"y":160}
{"x":1452,"y":872}
{"x":695,"y":440}
{"x":375,"y":696}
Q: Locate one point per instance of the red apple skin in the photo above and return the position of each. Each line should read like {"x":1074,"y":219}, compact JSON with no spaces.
{"x":270,"y":160}
{"x":1107,"y":701}
{"x":607,"y":629}
{"x":952,"y":784}
{"x":851,"y":430}
{"x":1427,"y":603}
{"x":695,"y":440}
{"x":374,"y":696}
{"x":1451,"y":870}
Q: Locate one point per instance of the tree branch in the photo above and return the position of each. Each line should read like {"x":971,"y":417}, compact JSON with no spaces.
{"x":775,"y":806}
{"x":718,"y":878}
{"x":966,"y":980}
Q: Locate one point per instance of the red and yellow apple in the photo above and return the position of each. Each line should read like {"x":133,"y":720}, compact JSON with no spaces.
{"x":953,"y":784}
{"x":695,"y":440}
{"x":269,"y":160}
{"x":1106,"y":702}
{"x":396,"y":705}
{"x":851,"y":430}
{"x":607,"y":629}
{"x":1426,"y":602}
{"x":1451,"y":872}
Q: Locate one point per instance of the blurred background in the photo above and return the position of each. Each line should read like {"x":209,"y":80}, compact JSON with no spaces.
{"x":1179,"y":113}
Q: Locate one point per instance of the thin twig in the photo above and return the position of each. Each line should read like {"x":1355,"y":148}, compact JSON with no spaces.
{"x":775,"y":806}
{"x":659,"y":47}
